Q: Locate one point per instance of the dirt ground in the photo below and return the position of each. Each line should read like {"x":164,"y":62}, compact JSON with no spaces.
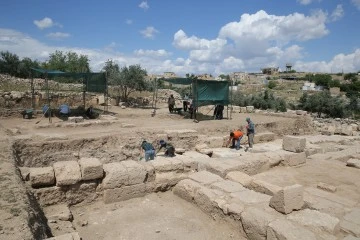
{"x":156,"y":216}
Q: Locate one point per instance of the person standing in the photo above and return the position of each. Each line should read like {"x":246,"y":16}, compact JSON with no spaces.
{"x":185,"y":102}
{"x":235,"y":136}
{"x":171,"y":103}
{"x":250,"y":132}
{"x":148,"y":149}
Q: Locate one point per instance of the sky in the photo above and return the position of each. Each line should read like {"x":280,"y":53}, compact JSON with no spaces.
{"x":189,"y":36}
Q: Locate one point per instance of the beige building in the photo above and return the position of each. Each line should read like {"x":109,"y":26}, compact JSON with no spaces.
{"x":169,"y":75}
{"x":270,"y":70}
{"x":205,"y":76}
{"x":240,"y":77}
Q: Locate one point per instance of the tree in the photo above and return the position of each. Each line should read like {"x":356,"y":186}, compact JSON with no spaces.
{"x":68,"y":62}
{"x":9,"y":63}
{"x":25,"y":66}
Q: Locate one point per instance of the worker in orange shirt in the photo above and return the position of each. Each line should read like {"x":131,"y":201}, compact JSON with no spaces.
{"x":235,"y":136}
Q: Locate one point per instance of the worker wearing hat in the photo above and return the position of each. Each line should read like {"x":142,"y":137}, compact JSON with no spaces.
{"x":250,"y":132}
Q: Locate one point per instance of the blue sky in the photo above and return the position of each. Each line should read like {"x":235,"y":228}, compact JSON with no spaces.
{"x":197,"y":36}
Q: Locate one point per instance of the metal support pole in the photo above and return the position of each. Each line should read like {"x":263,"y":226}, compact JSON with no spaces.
{"x":32,"y":91}
{"x":48,"y":95}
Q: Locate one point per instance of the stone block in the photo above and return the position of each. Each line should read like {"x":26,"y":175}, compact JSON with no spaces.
{"x":81,"y":192}
{"x":301,"y":112}
{"x":165,"y":180}
{"x":228,"y":186}
{"x":205,"y":199}
{"x":224,"y":153}
{"x":67,"y":236}
{"x":285,"y":230}
{"x":264,"y":187}
{"x":91,"y":168}
{"x":240,"y":177}
{"x":150,"y":172}
{"x":42,"y":176}
{"x":326,"y":187}
{"x":180,"y":151}
{"x":214,"y":142}
{"x":67,"y":173}
{"x":353,"y":163}
{"x":294,"y":144}
{"x":201,"y":146}
{"x":351,"y":222}
{"x":264,"y":137}
{"x":255,"y":223}
{"x":188,"y":163}
{"x":316,"y":220}
{"x":250,"y":197}
{"x":288,"y":199}
{"x":162,"y":164}
{"x":75,"y":119}
{"x":176,"y":164}
{"x":115,"y":175}
{"x":135,"y":171}
{"x":50,"y":195}
{"x":250,"y":109}
{"x":347,"y":130}
{"x":186,"y":189}
{"x":124,"y":193}
{"x":195,"y":155}
{"x":58,"y":212}
{"x":242,"y":110}
{"x":25,"y":173}
{"x":294,"y":159}
{"x":205,"y":178}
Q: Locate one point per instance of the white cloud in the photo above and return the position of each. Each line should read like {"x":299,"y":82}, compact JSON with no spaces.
{"x":152,"y":53}
{"x":144,"y":5}
{"x":129,"y":21}
{"x":58,"y":35}
{"x":338,"y":13}
{"x":149,"y":32}
{"x":46,"y":23}
{"x":304,"y":2}
{"x":356,"y":3}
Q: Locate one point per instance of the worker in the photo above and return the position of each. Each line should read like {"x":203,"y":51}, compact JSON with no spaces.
{"x":64,"y":111}
{"x":235,"y":136}
{"x":148,"y":150}
{"x":250,"y":132}
{"x":171,"y":103}
{"x":169,"y":148}
{"x":185,"y":102}
{"x":90,"y":113}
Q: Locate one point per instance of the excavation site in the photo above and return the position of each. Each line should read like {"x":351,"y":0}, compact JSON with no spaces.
{"x":87,"y":179}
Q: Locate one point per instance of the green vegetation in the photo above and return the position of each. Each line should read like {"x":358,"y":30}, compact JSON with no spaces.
{"x":264,"y":101}
{"x":272,"y":84}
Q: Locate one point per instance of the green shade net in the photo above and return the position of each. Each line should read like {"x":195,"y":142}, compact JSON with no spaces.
{"x":92,"y":82}
{"x":205,"y":92}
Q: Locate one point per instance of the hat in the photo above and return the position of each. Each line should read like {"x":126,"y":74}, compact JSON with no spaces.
{"x":247,"y":119}
{"x":162,"y":142}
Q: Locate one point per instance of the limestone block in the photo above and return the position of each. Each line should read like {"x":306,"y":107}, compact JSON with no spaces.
{"x":255,"y":223}
{"x":353,"y":163}
{"x":201,"y":146}
{"x":351,"y":237}
{"x":219,"y":168}
{"x":250,"y":109}
{"x":351,"y":222}
{"x":165,"y":180}
{"x":91,"y":168}
{"x":58,"y":212}
{"x":347,"y":130}
{"x":285,"y":230}
{"x":81,"y":192}
{"x":124,"y":193}
{"x":316,"y":220}
{"x":180,"y":151}
{"x":264,"y":137}
{"x":329,"y":130}
{"x":288,"y":199}
{"x":205,"y":199}
{"x":67,"y":236}
{"x":176,"y":164}
{"x":135,"y":171}
{"x":224,"y":153}
{"x":214,"y":142}
{"x":150,"y":172}
{"x":294,"y":144}
{"x":228,"y":186}
{"x":240,"y":177}
{"x":67,"y":173}
{"x":264,"y":187}
{"x":42,"y":176}
{"x":301,"y":112}
{"x":162,"y":164}
{"x":242,"y":110}
{"x":186,"y":189}
{"x":195,"y":155}
{"x":205,"y":178}
{"x":25,"y":173}
{"x":250,"y":197}
{"x":115,"y":175}
{"x":50,"y":195}
{"x":294,"y":159}
{"x":188,"y":163}
{"x":75,"y":119}
{"x":326,"y":187}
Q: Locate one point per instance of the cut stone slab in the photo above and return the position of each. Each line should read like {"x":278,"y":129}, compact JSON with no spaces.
{"x":180,"y":150}
{"x":75,"y":119}
{"x":353,"y":163}
{"x":240,"y":177}
{"x":116,"y":175}
{"x":250,"y":197}
{"x":205,"y":177}
{"x":331,"y":197}
{"x":316,"y":220}
{"x":42,"y":176}
{"x":162,"y":164}
{"x":255,"y":223}
{"x":186,"y":189}
{"x":294,"y":144}
{"x":195,"y":155}
{"x":288,"y":199}
{"x":264,"y":137}
{"x":294,"y":159}
{"x":58,"y":212}
{"x":228,"y":186}
{"x":285,"y":230}
{"x":135,"y":171}
{"x":224,"y":153}
{"x":68,"y":236}
{"x":67,"y":173}
{"x":264,"y":187}
{"x":351,"y":222}
{"x":326,"y":187}
{"x":91,"y":168}
{"x":124,"y":193}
